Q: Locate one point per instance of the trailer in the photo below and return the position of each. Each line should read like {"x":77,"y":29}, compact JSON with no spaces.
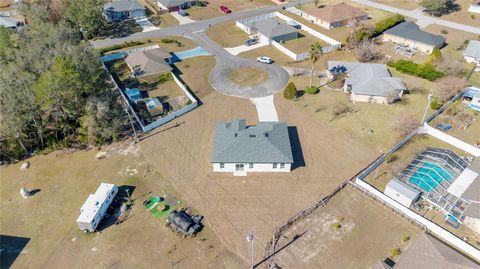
{"x":95,"y":207}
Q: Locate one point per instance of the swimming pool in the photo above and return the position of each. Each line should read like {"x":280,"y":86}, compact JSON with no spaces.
{"x":429,"y":176}
{"x":198,"y":51}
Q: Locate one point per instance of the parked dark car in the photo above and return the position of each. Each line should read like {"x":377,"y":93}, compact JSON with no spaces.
{"x":182,"y":13}
{"x":250,"y":42}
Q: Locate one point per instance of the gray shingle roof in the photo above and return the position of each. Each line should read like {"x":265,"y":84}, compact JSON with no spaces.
{"x":173,"y":3}
{"x":149,"y":62}
{"x":124,"y":5}
{"x":411,"y":31}
{"x":369,"y":79}
{"x":267,"y":142}
{"x":472,"y":193}
{"x":473,"y":49}
{"x":428,"y":252}
{"x":272,"y":28}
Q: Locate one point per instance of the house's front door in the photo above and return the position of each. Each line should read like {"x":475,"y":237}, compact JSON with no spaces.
{"x":239,"y":167}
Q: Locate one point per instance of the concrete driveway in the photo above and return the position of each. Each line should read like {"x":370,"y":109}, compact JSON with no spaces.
{"x":181,"y":19}
{"x":265,"y":108}
{"x":244,"y":48}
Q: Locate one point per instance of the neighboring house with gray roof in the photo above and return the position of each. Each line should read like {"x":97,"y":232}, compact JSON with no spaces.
{"x":428,"y":252}
{"x":270,"y":29}
{"x":409,"y":34}
{"x":367,"y":82}
{"x":472,"y":53}
{"x":176,"y":5}
{"x":240,"y":148}
{"x":123,"y":9}
{"x":472,"y":194}
{"x":149,"y":63}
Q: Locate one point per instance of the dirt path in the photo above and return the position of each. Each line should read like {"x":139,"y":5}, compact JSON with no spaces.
{"x":234,"y":205}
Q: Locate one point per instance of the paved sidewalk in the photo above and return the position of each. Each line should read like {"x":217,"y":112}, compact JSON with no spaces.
{"x":243,"y":48}
{"x":265,"y":108}
{"x":181,"y":19}
{"x":423,"y":20}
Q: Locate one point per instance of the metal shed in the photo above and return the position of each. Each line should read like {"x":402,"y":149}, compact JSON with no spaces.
{"x":401,"y":192}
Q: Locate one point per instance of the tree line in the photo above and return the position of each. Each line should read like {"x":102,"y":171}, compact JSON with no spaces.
{"x":54,"y":92}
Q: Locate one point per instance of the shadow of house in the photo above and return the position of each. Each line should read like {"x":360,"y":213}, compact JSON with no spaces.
{"x":10,"y":248}
{"x":298,"y":160}
{"x":124,"y":195}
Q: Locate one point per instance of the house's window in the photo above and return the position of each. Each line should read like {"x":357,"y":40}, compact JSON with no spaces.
{"x":222,"y":165}
{"x":274,"y":166}
{"x":250,"y":165}
{"x":282,"y":165}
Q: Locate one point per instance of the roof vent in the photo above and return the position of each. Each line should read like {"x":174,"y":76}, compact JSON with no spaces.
{"x":265,"y":134}
{"x":252,"y":135}
{"x":236,"y":134}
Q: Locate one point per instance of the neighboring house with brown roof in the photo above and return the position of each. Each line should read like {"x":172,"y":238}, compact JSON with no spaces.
{"x":333,"y":16}
{"x":149,"y":62}
{"x":428,"y":252}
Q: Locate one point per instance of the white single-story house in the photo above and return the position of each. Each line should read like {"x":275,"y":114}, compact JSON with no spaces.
{"x":240,"y":149}
{"x":269,"y":30}
{"x":96,"y":206}
{"x":368,"y":82}
{"x":472,"y":53}
{"x":409,"y":34}
{"x":334,"y":16}
{"x":475,"y":6}
{"x":176,"y":5}
{"x":123,"y":9}
{"x":401,"y":192}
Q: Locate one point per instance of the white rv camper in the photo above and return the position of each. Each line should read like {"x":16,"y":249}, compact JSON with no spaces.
{"x":96,"y":206}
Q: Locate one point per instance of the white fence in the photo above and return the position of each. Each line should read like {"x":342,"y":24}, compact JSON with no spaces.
{"x":176,"y":114}
{"x":289,"y":53}
{"x":334,"y":44}
{"x":450,"y":140}
{"x":162,"y":120}
{"x":431,"y":226}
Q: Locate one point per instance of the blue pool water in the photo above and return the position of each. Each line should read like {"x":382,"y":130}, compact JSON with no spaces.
{"x":429,"y":176}
{"x":198,"y":51}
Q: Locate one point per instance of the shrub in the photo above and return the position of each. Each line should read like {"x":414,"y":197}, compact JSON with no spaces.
{"x":337,"y":226}
{"x":164,"y":78}
{"x":394,"y":252}
{"x":436,"y":104}
{"x":290,"y":91}
{"x":391,"y":158}
{"x":121,"y":46}
{"x":388,"y":22}
{"x":406,"y":238}
{"x":311,"y":90}
{"x":426,"y":71}
{"x":170,"y":41}
{"x":444,"y":31}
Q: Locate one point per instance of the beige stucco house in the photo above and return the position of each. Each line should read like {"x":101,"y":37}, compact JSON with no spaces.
{"x":333,"y":16}
{"x":409,"y":34}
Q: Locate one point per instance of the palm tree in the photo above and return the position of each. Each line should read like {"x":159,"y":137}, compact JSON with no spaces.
{"x":317,"y":3}
{"x":314,"y":55}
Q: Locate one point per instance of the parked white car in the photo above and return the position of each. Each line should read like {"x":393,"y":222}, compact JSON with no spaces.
{"x":265,"y":60}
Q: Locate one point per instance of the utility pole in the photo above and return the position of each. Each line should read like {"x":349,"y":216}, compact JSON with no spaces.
{"x":250,"y":239}
{"x":135,"y":137}
{"x":426,"y":109}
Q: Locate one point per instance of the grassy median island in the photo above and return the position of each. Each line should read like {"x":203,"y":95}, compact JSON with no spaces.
{"x":248,"y":76}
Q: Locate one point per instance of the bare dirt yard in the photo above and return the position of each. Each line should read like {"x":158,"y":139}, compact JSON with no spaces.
{"x":227,"y":34}
{"x":248,"y":76}
{"x":213,"y":8}
{"x":462,"y":15}
{"x":63,"y":181}
{"x":233,"y":205}
{"x":352,"y":231}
